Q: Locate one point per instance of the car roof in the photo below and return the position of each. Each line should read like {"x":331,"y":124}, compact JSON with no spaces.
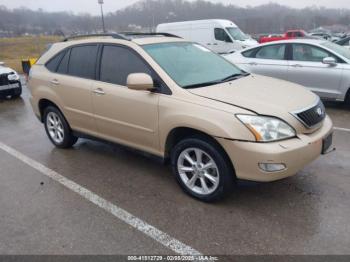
{"x":290,"y":41}
{"x":137,"y":41}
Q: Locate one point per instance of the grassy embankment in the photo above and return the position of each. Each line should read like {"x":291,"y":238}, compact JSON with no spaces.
{"x":13,"y":50}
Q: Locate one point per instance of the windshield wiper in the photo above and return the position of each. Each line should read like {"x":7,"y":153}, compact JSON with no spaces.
{"x":226,"y":79}
{"x":203,"y":84}
{"x":234,"y":76}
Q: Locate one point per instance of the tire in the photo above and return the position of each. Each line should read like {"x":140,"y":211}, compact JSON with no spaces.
{"x":17,"y":92}
{"x":347,"y":98}
{"x":190,"y":176}
{"x":57,"y":128}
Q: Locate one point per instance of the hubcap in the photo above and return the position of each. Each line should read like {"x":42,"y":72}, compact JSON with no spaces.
{"x":198,"y":171}
{"x":55,"y":127}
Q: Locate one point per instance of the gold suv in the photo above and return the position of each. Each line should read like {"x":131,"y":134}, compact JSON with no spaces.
{"x":178,"y":100}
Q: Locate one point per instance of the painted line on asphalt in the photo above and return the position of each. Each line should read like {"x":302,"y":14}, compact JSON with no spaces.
{"x":342,"y":129}
{"x":123,"y":215}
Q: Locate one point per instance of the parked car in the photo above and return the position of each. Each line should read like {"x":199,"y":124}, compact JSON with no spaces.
{"x":321,"y":66}
{"x":290,"y":34}
{"x":345,"y":42}
{"x":179,"y":101}
{"x":322,"y":35}
{"x":10,"y":84}
{"x":220,"y":36}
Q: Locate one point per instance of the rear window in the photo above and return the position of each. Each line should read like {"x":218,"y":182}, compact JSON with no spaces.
{"x":54,"y":62}
{"x":82,"y":61}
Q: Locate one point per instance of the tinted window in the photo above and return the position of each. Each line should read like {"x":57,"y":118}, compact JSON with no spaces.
{"x":118,"y":62}
{"x":63,"y":67}
{"x":309,"y":53}
{"x":221,"y":35}
{"x":271,"y":52}
{"x":82,"y":61}
{"x":53,"y":63}
{"x":249,"y":53}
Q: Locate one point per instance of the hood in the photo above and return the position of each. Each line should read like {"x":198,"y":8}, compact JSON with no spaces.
{"x":260,"y":94}
{"x":5,"y":70}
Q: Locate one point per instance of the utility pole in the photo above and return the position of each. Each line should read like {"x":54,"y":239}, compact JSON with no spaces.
{"x":102,"y":16}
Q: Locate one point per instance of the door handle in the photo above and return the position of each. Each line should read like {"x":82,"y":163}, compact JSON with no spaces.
{"x":55,"y":82}
{"x":297,"y":65}
{"x":208,"y":43}
{"x":215,"y":44}
{"x":253,"y":64}
{"x":99,"y":91}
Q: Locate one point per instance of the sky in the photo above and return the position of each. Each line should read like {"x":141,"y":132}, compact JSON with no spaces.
{"x":90,"y":6}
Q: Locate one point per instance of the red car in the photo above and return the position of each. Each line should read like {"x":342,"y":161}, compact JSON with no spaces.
{"x":288,"y":35}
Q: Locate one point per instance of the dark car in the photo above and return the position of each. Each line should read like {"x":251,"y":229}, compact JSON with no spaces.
{"x":10,"y":84}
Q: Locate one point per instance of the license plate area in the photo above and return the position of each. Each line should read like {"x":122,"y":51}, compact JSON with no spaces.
{"x":326,"y":143}
{"x":9,"y":86}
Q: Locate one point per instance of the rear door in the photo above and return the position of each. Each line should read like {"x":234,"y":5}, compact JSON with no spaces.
{"x":124,"y":115}
{"x":306,"y":68}
{"x":267,"y":60}
{"x":72,"y":84}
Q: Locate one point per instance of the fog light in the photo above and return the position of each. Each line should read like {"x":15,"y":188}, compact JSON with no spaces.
{"x":268,"y":167}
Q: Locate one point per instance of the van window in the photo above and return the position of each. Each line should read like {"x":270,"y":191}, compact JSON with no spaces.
{"x":82,"y":61}
{"x":53,"y":63}
{"x":118,"y":62}
{"x":221,"y":35}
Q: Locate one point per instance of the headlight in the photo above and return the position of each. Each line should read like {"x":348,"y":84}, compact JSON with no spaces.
{"x":13,"y":77}
{"x":267,"y":129}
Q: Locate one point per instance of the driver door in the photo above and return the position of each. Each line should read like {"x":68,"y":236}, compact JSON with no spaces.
{"x":307,"y":68}
{"x":121,"y":114}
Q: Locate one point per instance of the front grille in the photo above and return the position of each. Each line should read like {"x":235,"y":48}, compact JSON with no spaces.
{"x":4,"y":80}
{"x":312,"y":116}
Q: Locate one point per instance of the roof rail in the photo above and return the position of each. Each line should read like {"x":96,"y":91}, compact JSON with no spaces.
{"x":113,"y":35}
{"x":138,"y":34}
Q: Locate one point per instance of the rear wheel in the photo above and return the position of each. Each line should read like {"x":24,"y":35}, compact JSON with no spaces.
{"x":347,"y":98}
{"x":202,"y":170}
{"x":57,"y":128}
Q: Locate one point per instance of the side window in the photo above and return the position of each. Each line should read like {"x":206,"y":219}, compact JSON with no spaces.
{"x":53,"y":63}
{"x":298,"y":34}
{"x":221,"y":35}
{"x":63,"y":67}
{"x":275,"y":52}
{"x":82,"y":61}
{"x":249,"y":53}
{"x":302,"y":52}
{"x":118,"y":62}
{"x":290,"y":34}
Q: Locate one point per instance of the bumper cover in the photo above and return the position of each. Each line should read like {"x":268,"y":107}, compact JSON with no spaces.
{"x":295,"y":153}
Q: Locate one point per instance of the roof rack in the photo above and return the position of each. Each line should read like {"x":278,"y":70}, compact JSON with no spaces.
{"x":113,"y":35}
{"x":138,"y":34}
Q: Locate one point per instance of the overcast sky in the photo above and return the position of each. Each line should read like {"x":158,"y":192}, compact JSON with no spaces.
{"x":90,"y":6}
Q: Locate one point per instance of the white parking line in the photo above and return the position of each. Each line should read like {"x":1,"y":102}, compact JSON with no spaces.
{"x":149,"y":230}
{"x":342,"y":129}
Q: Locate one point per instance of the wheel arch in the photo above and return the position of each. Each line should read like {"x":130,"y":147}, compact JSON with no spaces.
{"x":178,"y":134}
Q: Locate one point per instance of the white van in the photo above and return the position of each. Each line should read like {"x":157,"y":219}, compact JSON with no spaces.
{"x":221,"y":36}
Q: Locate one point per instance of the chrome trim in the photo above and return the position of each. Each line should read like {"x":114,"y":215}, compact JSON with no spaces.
{"x":295,"y":114}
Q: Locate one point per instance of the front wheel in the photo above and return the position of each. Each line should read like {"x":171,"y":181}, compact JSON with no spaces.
{"x":202,"y":170}
{"x":57,"y":128}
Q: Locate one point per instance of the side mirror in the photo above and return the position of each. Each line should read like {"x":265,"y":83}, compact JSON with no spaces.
{"x":329,"y":61}
{"x":140,"y":81}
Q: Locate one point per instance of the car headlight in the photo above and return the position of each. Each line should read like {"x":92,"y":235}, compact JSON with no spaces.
{"x":13,"y":77}
{"x":267,"y":129}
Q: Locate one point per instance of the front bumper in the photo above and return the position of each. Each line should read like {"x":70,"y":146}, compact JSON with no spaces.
{"x":294,"y":153}
{"x":11,"y":88}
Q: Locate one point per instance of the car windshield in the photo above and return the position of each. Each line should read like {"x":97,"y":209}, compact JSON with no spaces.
{"x":191,"y":65}
{"x":338,"y":49}
{"x":236,"y":33}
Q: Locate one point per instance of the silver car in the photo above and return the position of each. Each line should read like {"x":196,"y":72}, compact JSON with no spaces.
{"x":321,"y":66}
